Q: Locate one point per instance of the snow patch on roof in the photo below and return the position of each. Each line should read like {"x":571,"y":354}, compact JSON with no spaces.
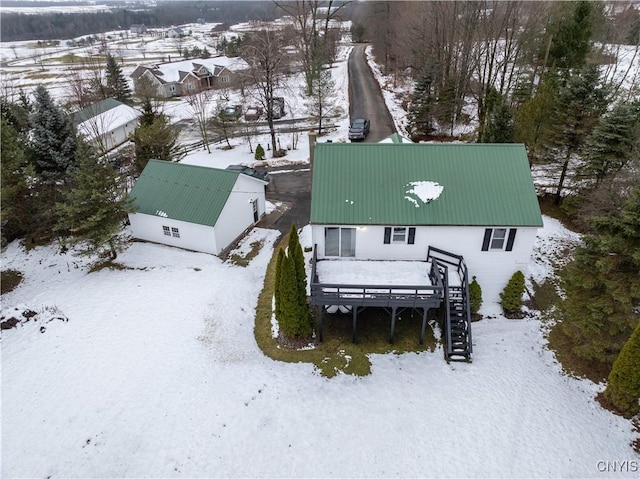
{"x":426,"y":191}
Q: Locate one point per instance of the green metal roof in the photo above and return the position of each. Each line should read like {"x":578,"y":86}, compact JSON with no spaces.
{"x":483,"y":185}
{"x":195,"y":194}
{"x":95,"y":110}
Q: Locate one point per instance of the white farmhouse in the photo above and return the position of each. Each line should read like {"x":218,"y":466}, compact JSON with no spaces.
{"x":107,"y":124}
{"x":470,"y":207}
{"x":194,"y":207}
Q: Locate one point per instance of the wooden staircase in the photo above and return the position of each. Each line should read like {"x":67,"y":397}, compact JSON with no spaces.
{"x":457,"y":313}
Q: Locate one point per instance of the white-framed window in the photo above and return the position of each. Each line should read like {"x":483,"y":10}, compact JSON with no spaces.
{"x":190,"y":86}
{"x":175,"y":232}
{"x":498,"y":239}
{"x":399,"y":235}
{"x":172,"y":88}
{"x":167,"y":230}
{"x":224,"y":79}
{"x":340,"y":242}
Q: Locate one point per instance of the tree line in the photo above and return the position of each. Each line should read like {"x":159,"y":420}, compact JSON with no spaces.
{"x":50,"y":26}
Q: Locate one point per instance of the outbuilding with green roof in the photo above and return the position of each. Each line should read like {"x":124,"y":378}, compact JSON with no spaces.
{"x":392,"y":201}
{"x":195,"y":207}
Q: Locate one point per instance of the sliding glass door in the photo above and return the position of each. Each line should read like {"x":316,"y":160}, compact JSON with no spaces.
{"x":340,"y":242}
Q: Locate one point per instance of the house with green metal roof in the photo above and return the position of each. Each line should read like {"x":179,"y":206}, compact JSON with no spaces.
{"x":195,"y":207}
{"x":107,"y":124}
{"x":399,"y":201}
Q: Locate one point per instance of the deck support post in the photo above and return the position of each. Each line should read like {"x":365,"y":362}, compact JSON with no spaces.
{"x":355,"y":320}
{"x":424,"y":324}
{"x":320,"y":318}
{"x":393,"y":324}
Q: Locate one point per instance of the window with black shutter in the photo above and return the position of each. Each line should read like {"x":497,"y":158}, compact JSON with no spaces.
{"x":498,"y":239}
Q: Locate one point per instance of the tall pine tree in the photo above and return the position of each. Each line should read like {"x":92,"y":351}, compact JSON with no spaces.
{"x":154,"y":141}
{"x":420,"y":115}
{"x":613,"y":142}
{"x":581,"y":102}
{"x":499,"y":122}
{"x":602,"y":287}
{"x":116,"y":83}
{"x":571,"y":44}
{"x":52,"y":139}
{"x":94,"y":207}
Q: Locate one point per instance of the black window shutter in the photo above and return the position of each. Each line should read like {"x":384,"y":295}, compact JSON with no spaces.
{"x":487,"y":238}
{"x":412,"y":236}
{"x":512,"y":236}
{"x":387,"y":236}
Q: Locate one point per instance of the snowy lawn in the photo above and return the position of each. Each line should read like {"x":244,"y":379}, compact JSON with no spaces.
{"x":157,"y":373}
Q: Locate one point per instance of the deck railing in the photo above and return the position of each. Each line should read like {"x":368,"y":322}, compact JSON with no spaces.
{"x":376,"y":295}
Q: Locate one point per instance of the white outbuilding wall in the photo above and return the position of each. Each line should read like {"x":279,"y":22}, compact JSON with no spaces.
{"x":492,"y":268}
{"x":236,"y":216}
{"x":190,"y":236}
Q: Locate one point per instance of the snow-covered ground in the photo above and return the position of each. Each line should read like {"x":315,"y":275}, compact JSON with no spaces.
{"x":152,"y":370}
{"x":156,"y":373}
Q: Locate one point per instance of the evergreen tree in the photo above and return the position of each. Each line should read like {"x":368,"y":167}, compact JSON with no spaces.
{"x":602,"y":286}
{"x":297,"y":256}
{"x":534,"y":119}
{"x":613,"y":142}
{"x":52,"y":140}
{"x":499,"y":123}
{"x":205,"y":53}
{"x":116,"y":83}
{"x":571,"y":45}
{"x":94,"y":207}
{"x":288,"y":301}
{"x":420,"y":115}
{"x":475,"y":296}
{"x":623,"y":389}
{"x":259,"y":155}
{"x":581,"y":102}
{"x":16,"y":201}
{"x":276,"y":292}
{"x":156,"y":141}
{"x":511,"y":296}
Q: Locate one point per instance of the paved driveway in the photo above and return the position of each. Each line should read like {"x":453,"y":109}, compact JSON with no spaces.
{"x":293,"y":185}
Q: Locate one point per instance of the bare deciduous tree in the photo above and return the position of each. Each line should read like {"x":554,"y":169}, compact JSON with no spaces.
{"x":264,"y":52}
{"x":200,"y":107}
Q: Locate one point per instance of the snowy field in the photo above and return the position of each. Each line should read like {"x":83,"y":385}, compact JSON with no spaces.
{"x":156,"y":373}
{"x":152,"y":370}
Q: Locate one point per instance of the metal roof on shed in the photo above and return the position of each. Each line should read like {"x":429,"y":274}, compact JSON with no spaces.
{"x":194,"y":194}
{"x":483,"y":185}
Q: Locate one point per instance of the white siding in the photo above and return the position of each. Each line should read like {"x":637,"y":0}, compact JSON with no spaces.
{"x":192,"y":236}
{"x":492,"y":268}
{"x":120,"y":135}
{"x":237,"y":214}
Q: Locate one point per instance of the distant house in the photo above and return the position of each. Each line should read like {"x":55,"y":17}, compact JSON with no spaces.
{"x":194,"y":207}
{"x":174,"y":32}
{"x":108,"y":123}
{"x":201,"y":21}
{"x":138,"y":28}
{"x":464,"y":210}
{"x":190,"y":76}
